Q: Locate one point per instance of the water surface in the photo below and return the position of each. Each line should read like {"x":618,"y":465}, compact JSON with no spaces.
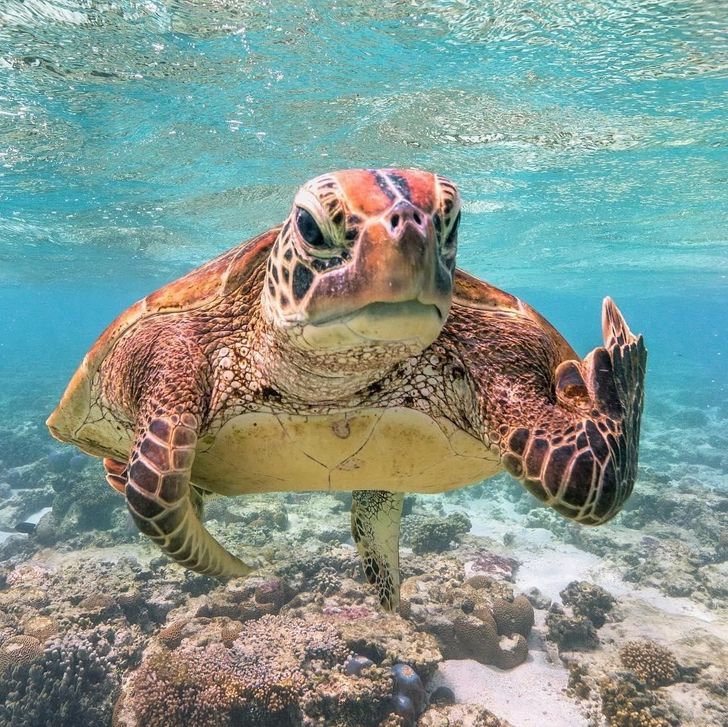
{"x":139,"y":139}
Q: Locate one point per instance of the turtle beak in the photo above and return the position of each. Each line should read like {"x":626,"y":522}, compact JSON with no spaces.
{"x":396,"y":261}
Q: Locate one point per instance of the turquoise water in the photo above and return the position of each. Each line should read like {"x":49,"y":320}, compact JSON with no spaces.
{"x":139,"y":139}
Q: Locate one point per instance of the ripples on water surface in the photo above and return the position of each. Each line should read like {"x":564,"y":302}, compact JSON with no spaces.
{"x":588,"y":138}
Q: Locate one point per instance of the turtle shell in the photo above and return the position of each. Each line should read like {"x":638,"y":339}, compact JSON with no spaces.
{"x":477,"y":295}
{"x":199,"y":288}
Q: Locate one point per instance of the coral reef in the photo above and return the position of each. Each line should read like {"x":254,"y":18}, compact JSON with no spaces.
{"x":626,"y":702}
{"x":655,"y":665}
{"x":247,"y":599}
{"x":279,"y":671}
{"x":72,"y":681}
{"x":433,"y":534}
{"x":235,"y":653}
{"x":83,"y":502}
{"x":22,"y":446}
{"x":474,"y":619}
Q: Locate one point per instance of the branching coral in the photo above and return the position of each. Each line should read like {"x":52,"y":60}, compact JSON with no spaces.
{"x":626,"y":703}
{"x":71,"y":682}
{"x":270,"y":672}
{"x":655,"y":665}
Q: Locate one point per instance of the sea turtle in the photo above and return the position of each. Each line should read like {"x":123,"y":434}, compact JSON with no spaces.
{"x":343,"y":350}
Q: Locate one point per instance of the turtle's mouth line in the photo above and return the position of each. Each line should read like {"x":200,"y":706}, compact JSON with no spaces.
{"x":404,"y":309}
{"x":410,"y":323}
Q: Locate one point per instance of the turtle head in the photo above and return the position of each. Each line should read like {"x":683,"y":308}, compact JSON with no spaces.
{"x":365,"y":261}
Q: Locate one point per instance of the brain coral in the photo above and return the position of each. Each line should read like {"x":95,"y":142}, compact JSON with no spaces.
{"x":39,"y":626}
{"x":18,"y":652}
{"x":513,"y":617}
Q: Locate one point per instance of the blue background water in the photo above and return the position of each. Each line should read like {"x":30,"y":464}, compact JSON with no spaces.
{"x":139,"y":139}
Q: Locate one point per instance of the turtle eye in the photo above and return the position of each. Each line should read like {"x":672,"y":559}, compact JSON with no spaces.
{"x":308,"y":228}
{"x":452,"y":236}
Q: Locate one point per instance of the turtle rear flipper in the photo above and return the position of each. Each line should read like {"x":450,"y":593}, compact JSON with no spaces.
{"x":581,"y":457}
{"x":375,"y":518}
{"x":162,"y":502}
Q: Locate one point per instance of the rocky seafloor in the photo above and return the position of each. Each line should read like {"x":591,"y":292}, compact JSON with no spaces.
{"x":510,"y":615}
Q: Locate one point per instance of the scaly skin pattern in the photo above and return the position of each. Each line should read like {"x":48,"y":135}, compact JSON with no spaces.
{"x":375,"y":516}
{"x":353,"y":304}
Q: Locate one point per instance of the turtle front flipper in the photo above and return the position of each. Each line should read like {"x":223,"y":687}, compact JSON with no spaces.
{"x":579,"y":455}
{"x":162,"y":501}
{"x":375,"y":517}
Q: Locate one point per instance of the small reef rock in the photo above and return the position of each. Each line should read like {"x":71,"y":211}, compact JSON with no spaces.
{"x":576,"y":629}
{"x":461,"y":715}
{"x":433,"y":533}
{"x":589,"y":601}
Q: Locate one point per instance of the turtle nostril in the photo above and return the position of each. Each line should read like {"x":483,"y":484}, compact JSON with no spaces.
{"x":416,"y":217}
{"x":395,"y":221}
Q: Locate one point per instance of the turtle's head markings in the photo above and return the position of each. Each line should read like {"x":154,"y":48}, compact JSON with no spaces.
{"x":366,"y":258}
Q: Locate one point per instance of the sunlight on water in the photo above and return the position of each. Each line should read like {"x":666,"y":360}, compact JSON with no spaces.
{"x":141,"y":138}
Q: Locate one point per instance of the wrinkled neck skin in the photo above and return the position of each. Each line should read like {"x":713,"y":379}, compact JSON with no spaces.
{"x":304,"y":370}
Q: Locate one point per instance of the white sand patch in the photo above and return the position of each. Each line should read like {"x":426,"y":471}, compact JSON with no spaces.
{"x":531,"y":695}
{"x":141,"y":552}
{"x":549,"y":564}
{"x":551,"y":570}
